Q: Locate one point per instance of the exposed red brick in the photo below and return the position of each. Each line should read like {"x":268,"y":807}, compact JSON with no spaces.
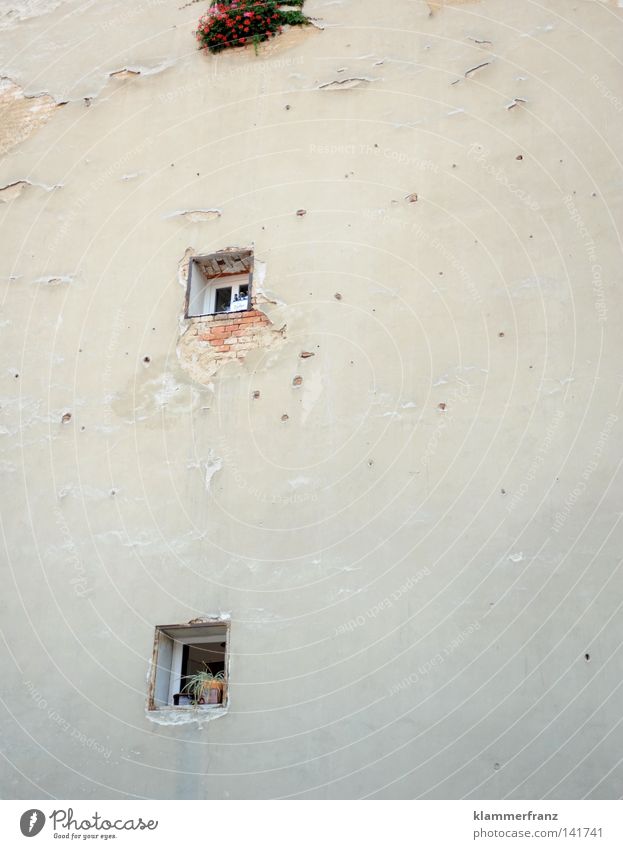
{"x":231,"y":336}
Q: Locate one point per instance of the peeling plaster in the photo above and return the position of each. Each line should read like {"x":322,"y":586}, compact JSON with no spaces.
{"x":129,"y":267}
{"x":137,"y":71}
{"x":13,"y":190}
{"x":259,"y":277}
{"x":21,"y":115}
{"x":201,"y":359}
{"x":340,"y":85}
{"x":124,"y":74}
{"x":211,"y":466}
{"x":182,"y":267}
{"x":196,"y":215}
{"x":55,"y":280}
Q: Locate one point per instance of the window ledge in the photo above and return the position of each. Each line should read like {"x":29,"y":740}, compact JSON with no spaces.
{"x":186,"y":715}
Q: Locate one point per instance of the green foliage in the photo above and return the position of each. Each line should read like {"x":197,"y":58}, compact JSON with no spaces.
{"x":293,"y":18}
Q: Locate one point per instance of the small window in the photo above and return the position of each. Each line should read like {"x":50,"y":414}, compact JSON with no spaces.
{"x":219,"y":283}
{"x":189,"y":667}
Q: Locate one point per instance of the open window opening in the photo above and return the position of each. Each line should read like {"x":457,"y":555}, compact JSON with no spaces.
{"x":189,"y":667}
{"x":219,"y":283}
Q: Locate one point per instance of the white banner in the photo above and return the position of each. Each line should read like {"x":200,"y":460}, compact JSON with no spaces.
{"x":302,"y":824}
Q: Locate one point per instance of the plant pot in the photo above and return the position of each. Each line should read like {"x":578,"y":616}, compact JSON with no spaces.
{"x":213,"y":693}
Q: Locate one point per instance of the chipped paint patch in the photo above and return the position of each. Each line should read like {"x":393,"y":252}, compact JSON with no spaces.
{"x":473,"y":70}
{"x":341,"y":85}
{"x":182,"y":268}
{"x":55,"y":281}
{"x":15,"y":189}
{"x":20,"y":115}
{"x":124,"y":74}
{"x":196,"y":215}
{"x":12,"y":191}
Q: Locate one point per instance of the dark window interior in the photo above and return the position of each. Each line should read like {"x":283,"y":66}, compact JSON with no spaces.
{"x":223,"y":299}
{"x":201,"y":656}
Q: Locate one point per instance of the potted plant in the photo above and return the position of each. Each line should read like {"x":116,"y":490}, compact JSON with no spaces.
{"x":205,"y":687}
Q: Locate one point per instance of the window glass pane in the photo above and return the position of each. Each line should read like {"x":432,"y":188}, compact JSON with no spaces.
{"x":223,"y":299}
{"x":205,"y":656}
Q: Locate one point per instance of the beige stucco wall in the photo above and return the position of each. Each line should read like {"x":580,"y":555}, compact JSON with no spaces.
{"x":417,"y":560}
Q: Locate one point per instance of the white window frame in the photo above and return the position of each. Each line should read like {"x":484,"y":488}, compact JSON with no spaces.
{"x":201,"y":288}
{"x":232,"y":282}
{"x":166,"y":671}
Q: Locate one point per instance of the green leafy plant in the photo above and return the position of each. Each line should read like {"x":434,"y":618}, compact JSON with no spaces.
{"x":200,"y":683}
{"x":234,"y":23}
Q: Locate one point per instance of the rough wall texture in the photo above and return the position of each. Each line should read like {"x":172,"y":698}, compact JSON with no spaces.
{"x":211,"y":341}
{"x":419,"y":541}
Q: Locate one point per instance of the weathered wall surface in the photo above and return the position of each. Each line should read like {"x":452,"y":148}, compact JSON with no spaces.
{"x":419,"y":542}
